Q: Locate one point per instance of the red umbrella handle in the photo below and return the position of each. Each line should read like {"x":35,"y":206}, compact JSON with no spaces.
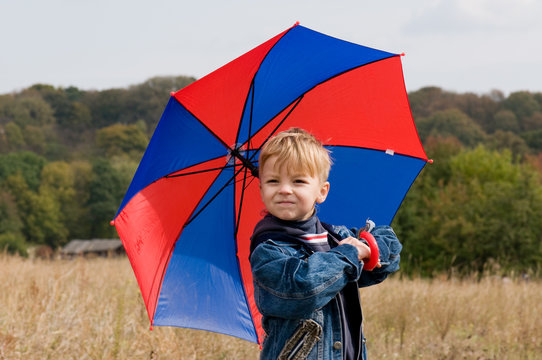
{"x":371,"y":264}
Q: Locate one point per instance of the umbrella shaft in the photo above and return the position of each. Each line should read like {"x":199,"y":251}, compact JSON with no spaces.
{"x":253,"y":169}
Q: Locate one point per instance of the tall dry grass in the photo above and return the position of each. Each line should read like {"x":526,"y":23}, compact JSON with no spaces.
{"x":92,"y":309}
{"x":494,"y":318}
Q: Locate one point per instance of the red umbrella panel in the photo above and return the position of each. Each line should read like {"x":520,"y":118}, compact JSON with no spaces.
{"x":188,"y":215}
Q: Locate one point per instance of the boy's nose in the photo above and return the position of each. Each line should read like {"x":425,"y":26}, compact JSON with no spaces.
{"x":285,"y":189}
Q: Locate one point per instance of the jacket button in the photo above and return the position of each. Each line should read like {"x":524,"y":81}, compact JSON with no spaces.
{"x":337,"y":345}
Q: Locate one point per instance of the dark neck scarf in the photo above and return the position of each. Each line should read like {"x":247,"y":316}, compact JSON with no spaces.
{"x":309,"y":232}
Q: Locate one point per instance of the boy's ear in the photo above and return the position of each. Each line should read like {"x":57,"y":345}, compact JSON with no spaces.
{"x":324,"y":190}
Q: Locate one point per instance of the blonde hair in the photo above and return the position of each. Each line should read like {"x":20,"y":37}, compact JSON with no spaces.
{"x":300,"y":151}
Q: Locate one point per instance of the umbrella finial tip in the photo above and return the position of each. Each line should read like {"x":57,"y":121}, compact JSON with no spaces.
{"x":296,"y":23}
{"x":402,"y":54}
{"x":430,"y":161}
{"x":172,"y":93}
{"x":112,"y":223}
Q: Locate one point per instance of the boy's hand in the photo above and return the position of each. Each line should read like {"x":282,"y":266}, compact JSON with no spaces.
{"x":364,"y":252}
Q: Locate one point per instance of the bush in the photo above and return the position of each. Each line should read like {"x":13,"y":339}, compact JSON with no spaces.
{"x":13,"y":244}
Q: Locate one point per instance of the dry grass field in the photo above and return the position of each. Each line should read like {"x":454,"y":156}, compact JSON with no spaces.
{"x":92,"y":309}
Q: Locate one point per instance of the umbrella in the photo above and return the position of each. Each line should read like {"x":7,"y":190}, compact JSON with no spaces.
{"x":190,"y":209}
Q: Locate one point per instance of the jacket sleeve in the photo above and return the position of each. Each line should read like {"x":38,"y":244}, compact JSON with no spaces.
{"x":389,"y":248}
{"x":291,"y":287}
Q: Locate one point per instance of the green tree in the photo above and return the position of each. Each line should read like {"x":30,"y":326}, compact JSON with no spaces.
{"x":147,"y":101}
{"x":505,"y":120}
{"x":77,"y":222}
{"x":533,"y":139}
{"x":45,"y":221}
{"x":66,"y":104}
{"x":68,"y":185}
{"x":417,"y":211}
{"x":441,"y":150}
{"x":479,"y":108}
{"x":106,"y":107}
{"x":14,"y":135}
{"x":9,"y":216}
{"x":501,"y":140}
{"x":533,"y":122}
{"x":58,"y":180}
{"x":451,"y":122}
{"x":30,"y":111}
{"x":13,"y":243}
{"x":72,"y":116}
{"x":428,"y":100}
{"x":105,"y":195}
{"x":524,"y":105}
{"x":487,"y":212}
{"x":11,"y":236}
{"x":25,"y":163}
{"x":125,"y":168}
{"x":40,"y":213}
{"x":505,"y":203}
{"x":11,"y":137}
{"x":121,"y":139}
{"x":34,"y":137}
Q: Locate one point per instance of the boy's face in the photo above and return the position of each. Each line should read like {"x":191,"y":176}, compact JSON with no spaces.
{"x":290,"y":196}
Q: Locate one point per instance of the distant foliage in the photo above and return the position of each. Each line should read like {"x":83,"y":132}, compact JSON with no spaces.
{"x":121,"y":139}
{"x":478,"y":206}
{"x":484,"y":209}
{"x":68,"y":155}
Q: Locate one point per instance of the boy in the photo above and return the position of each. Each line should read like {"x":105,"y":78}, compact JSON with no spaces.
{"x":307,"y":273}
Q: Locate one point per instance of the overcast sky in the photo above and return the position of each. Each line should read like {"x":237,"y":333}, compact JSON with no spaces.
{"x":458,"y":45}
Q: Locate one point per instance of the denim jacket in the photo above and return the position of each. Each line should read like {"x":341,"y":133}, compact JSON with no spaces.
{"x":292,"y":285}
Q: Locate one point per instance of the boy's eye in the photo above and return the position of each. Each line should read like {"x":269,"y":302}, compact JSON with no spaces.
{"x":271,"y":181}
{"x":300,"y":181}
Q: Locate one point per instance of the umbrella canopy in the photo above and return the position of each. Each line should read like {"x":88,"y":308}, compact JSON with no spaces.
{"x":188,"y":215}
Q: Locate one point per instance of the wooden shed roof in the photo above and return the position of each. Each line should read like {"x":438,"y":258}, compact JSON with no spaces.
{"x":91,"y":246}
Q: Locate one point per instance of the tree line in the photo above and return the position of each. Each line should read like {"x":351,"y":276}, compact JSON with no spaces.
{"x":478,"y":207}
{"x":67,"y":157}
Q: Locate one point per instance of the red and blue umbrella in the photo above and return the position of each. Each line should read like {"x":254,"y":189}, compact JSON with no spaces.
{"x":188,"y":215}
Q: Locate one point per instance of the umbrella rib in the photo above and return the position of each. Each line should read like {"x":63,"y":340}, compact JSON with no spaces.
{"x":251,"y":113}
{"x":235,"y":152}
{"x":373,"y":149}
{"x":214,"y":197}
{"x":245,"y":186}
{"x":308,"y":90}
{"x":252,"y":85}
{"x":240,"y":204}
{"x":276,"y":127}
{"x":203,"y":124}
{"x":201,"y":171}
{"x":243,"y":112}
{"x":246,"y":162}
